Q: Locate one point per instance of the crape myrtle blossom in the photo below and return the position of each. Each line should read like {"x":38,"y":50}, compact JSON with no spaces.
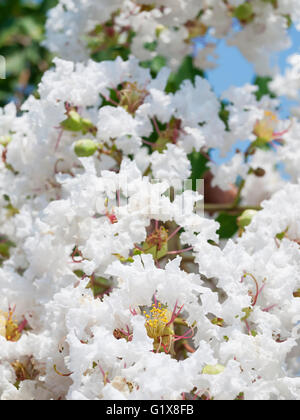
{"x":160,"y":28}
{"x":288,"y":84}
{"x":75,"y":103}
{"x":115,"y":106}
{"x":243,"y":340}
{"x":113,"y":284}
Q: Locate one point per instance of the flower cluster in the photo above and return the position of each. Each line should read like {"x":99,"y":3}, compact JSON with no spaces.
{"x":116,"y":280}
{"x":99,"y":260}
{"x":167,"y":28}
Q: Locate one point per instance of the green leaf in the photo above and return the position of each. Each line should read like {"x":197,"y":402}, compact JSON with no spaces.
{"x":22,"y":28}
{"x":282,"y":235}
{"x":263,"y":87}
{"x":15,"y":63}
{"x":99,"y":286}
{"x":187,"y":70}
{"x":5,"y":245}
{"x":199,"y":166}
{"x":224,"y":115}
{"x":155,"y":252}
{"x":150,"y":46}
{"x":31,"y":28}
{"x":228,"y":225}
{"x":155,"y":65}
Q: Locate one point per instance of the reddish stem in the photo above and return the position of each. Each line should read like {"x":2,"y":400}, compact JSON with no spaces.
{"x":156,"y":126}
{"x":180,"y":251}
{"x":22,"y":325}
{"x":184,"y":336}
{"x":175,"y":314}
{"x":59,"y":138}
{"x":174,"y":233}
{"x":110,"y":100}
{"x":269,"y":308}
{"x":148,"y":143}
{"x":188,"y":348}
{"x":248,"y":327}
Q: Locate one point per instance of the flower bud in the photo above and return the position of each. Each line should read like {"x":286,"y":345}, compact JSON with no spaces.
{"x":213,"y":369}
{"x":246,"y":218}
{"x":5,"y":140}
{"x":73,"y":122}
{"x":85,"y":148}
{"x":259,"y":172}
{"x":88,"y":126}
{"x":297,"y":294}
{"x":244,"y":12}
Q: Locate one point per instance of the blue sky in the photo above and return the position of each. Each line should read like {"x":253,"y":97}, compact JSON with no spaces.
{"x":235,"y":70}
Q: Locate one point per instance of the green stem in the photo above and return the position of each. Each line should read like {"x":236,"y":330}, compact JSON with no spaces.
{"x":238,"y":196}
{"x":180,"y":321}
{"x":214,"y":208}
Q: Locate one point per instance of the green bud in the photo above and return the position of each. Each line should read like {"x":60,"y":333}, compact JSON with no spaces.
{"x":5,"y":140}
{"x":79,"y":273}
{"x":246,"y":218}
{"x":85,"y":148}
{"x":259,"y":172}
{"x":88,"y":126}
{"x":73,"y":122}
{"x":159,"y":29}
{"x":213,"y":369}
{"x":244,"y":12}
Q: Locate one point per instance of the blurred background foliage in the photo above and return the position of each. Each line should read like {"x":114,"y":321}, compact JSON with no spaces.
{"x":22,"y":24}
{"x":22,"y":27}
